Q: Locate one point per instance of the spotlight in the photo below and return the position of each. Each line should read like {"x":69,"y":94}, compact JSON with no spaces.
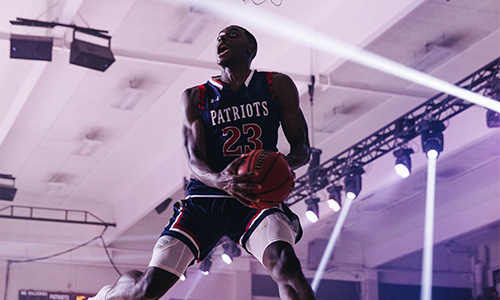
{"x":334,"y":200}
{"x":432,"y":138}
{"x":7,"y":187}
{"x":231,"y":251}
{"x":403,"y":162}
{"x":206,"y":264}
{"x":183,"y":277}
{"x":352,"y":181}
{"x":317,"y":174}
{"x":492,"y":119}
{"x":493,"y":91}
{"x":312,"y":212}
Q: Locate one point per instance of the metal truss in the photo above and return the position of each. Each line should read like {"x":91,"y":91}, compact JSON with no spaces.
{"x":52,"y":215}
{"x":397,"y":133}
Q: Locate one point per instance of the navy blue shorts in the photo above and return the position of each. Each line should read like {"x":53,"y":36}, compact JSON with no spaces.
{"x":201,"y":222}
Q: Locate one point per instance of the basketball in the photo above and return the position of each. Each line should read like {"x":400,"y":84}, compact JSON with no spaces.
{"x":274,"y":176}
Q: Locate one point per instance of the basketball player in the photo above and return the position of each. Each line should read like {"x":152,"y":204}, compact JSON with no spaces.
{"x":230,"y":115}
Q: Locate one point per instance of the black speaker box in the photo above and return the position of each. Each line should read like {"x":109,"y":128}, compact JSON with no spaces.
{"x":7,"y":192}
{"x":31,"y":47}
{"x":91,"y":56}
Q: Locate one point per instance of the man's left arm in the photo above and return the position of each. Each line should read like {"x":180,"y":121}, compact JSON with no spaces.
{"x":292,"y":120}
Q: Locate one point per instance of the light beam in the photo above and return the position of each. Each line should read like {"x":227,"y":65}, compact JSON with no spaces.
{"x":426,"y":288}
{"x":331,"y":243}
{"x":288,"y":29}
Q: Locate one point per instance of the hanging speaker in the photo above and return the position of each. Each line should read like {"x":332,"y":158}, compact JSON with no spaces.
{"x":31,"y":47}
{"x":7,"y":192}
{"x":90,"y":55}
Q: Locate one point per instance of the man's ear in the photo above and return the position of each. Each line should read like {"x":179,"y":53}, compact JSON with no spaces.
{"x":252,"y":51}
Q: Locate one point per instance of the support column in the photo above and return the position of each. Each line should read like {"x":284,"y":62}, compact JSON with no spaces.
{"x":369,"y":285}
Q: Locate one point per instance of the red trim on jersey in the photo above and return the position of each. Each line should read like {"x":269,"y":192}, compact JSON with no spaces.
{"x":246,"y":76}
{"x":251,"y":221}
{"x":218,"y":81}
{"x":202,"y":93}
{"x":188,"y":232}
{"x":176,"y":225}
{"x":270,"y":83}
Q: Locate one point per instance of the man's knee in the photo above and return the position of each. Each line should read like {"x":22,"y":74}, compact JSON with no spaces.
{"x":281,"y":261}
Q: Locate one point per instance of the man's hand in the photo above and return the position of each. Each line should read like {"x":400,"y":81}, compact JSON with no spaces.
{"x":237,"y":185}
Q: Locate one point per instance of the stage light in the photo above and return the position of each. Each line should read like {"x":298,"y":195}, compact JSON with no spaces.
{"x":226,"y":258}
{"x":334,"y":200}
{"x":231,"y":251}
{"x":403,"y":162}
{"x":492,"y":90}
{"x":432,"y":138}
{"x":312,"y":212}
{"x":352,"y":181}
{"x":317,"y":178}
{"x":7,"y":187}
{"x":206,"y":264}
{"x":492,"y":119}
{"x":183,"y":277}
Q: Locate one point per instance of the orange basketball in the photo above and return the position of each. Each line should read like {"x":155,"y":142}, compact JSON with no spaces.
{"x":274,"y":176}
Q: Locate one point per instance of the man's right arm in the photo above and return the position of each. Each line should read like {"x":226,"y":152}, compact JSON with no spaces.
{"x":195,"y":149}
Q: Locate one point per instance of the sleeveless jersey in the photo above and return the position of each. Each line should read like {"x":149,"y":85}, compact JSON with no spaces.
{"x":236,"y":122}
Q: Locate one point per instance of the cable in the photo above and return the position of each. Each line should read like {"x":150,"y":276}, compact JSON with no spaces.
{"x":47,"y":10}
{"x":63,"y":252}
{"x":81,"y":17}
{"x":109,"y":256}
{"x":272,"y":1}
{"x":9,"y":262}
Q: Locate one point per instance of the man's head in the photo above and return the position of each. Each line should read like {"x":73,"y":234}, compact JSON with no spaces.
{"x":235,"y":42}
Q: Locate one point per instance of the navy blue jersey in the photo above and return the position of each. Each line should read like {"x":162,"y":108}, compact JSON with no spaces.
{"x":236,"y":122}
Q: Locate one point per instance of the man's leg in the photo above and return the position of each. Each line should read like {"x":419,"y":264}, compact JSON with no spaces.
{"x":171,"y":257}
{"x":135,"y":285}
{"x":284,"y":267}
{"x":271,"y":243}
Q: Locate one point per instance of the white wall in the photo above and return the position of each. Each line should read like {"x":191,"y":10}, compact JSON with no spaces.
{"x":54,"y":277}
{"x":220,"y":284}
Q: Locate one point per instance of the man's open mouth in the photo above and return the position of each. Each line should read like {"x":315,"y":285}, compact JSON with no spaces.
{"x":222,"y":50}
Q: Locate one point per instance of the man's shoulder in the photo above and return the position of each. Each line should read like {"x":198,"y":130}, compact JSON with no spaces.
{"x":191,"y":94}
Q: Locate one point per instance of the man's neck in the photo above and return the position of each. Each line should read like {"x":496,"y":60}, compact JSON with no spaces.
{"x":234,"y":77}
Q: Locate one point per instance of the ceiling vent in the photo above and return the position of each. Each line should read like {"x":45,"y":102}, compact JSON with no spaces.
{"x":190,"y":27}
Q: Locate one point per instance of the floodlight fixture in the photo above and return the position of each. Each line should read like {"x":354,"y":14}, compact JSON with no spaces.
{"x":403,"y":162}
{"x":493,"y":91}
{"x":317,"y":175}
{"x":334,"y":199}
{"x":352,"y":181}
{"x":183,"y":277}
{"x":432,"y":138}
{"x":312,"y":212}
{"x":492,"y":119}
{"x":231,"y":251}
{"x":206,"y":264}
